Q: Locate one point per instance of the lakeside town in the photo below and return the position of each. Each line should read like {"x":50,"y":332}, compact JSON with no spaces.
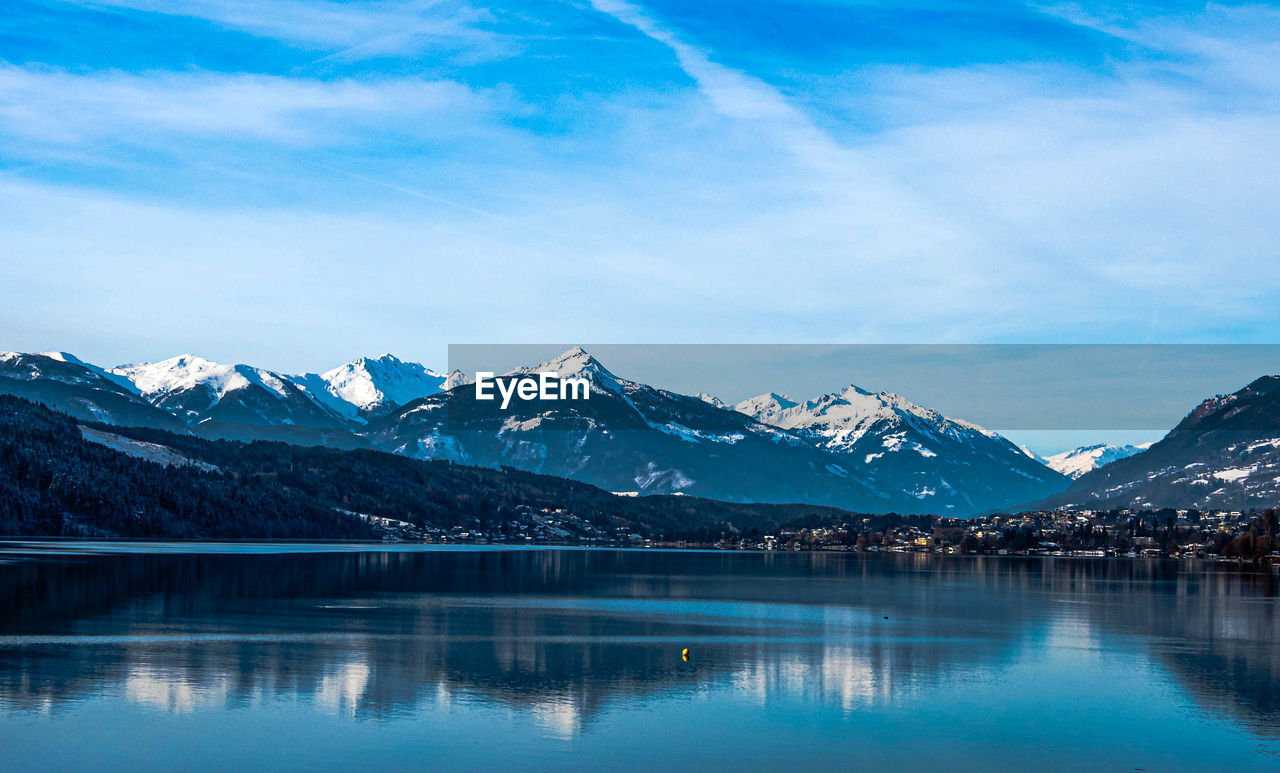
{"x":1233,"y":535}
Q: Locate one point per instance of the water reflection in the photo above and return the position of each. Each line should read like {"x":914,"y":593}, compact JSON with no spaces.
{"x":562,"y":636}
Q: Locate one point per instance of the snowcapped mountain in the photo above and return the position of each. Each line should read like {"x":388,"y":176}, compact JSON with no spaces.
{"x":372,"y":384}
{"x":245,"y":402}
{"x":1224,"y":455}
{"x":186,"y":372}
{"x":577,"y":363}
{"x":843,"y":418}
{"x":948,"y":465}
{"x":627,"y":436}
{"x":73,"y":361}
{"x":220,"y":400}
{"x":713,"y":400}
{"x":1078,"y":461}
{"x":455,"y":378}
{"x":236,"y":401}
{"x":765,"y":408}
{"x":857,"y":449}
{"x":853,"y":449}
{"x":84,"y":391}
{"x":1033,"y":455}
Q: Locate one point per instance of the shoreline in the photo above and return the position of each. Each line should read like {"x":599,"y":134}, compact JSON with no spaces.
{"x":54,"y":545}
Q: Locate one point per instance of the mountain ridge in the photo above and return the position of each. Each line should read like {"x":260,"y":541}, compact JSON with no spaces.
{"x":870,"y":451}
{"x":958,"y":465}
{"x":1083,"y":459}
{"x":1224,"y":454}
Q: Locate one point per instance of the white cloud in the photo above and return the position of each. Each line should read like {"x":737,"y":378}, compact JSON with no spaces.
{"x":353,"y":29}
{"x":56,"y":106}
{"x":733,"y":93}
{"x":1021,"y":197}
{"x":998,"y":202}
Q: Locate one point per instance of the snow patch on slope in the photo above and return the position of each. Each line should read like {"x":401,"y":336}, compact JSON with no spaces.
{"x":151,"y":452}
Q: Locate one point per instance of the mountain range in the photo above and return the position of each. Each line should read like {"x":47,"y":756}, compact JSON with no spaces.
{"x":627,"y":437}
{"x":855,"y":450}
{"x":1078,"y":461}
{"x":894,"y":444}
{"x":870,"y":451}
{"x":215,"y":400}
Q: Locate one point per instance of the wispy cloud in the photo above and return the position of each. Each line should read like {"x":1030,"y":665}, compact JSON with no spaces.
{"x":378,"y":28}
{"x":1029,"y":199}
{"x":57,"y":106}
{"x":1236,"y":48}
{"x":733,"y":93}
{"x":648,"y":176}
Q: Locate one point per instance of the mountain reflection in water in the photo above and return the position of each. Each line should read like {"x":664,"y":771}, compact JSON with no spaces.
{"x":560,"y":640}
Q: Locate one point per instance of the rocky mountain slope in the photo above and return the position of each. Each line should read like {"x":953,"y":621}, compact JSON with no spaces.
{"x":628,"y":437}
{"x":1224,"y":455}
{"x":857,"y":449}
{"x":949,"y":466}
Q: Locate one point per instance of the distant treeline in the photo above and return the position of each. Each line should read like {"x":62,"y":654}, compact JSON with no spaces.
{"x":54,"y":482}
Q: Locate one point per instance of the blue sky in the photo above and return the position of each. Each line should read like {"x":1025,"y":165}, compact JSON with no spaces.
{"x":295,"y":183}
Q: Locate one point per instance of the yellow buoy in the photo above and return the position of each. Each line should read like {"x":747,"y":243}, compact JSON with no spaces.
{"x":684,"y":653}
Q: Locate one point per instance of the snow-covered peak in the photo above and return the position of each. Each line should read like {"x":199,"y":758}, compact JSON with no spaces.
{"x":852,"y":405}
{"x":842,"y":418}
{"x":576,"y":362}
{"x":372,"y":382}
{"x":455,"y":378}
{"x":187,"y":371}
{"x":109,"y":375}
{"x":713,"y":400}
{"x":64,"y":357}
{"x":1078,"y":461}
{"x":34,"y":367}
{"x":766,"y":408}
{"x":849,"y":411}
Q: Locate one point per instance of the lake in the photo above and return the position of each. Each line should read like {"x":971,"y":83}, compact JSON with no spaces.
{"x":214,"y":657}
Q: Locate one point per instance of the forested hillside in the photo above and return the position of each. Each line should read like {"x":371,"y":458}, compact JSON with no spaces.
{"x":56,"y":481}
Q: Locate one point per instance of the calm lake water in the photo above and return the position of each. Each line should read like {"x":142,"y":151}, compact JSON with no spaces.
{"x":420,"y":659}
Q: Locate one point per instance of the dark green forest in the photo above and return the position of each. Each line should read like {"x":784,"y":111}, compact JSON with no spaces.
{"x":54,"y":482}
